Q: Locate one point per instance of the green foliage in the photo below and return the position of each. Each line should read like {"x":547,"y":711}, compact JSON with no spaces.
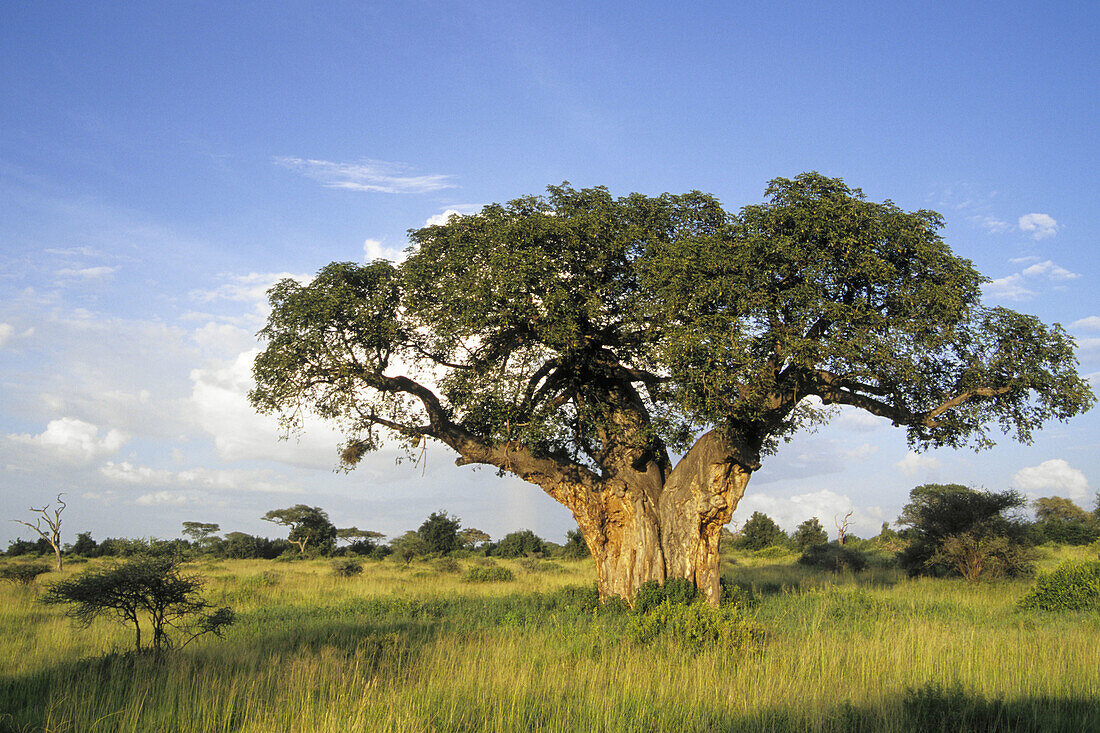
{"x":955,"y":530}
{"x":440,"y":533}
{"x":488,"y":574}
{"x":575,"y":546}
{"x":810,"y":532}
{"x":1049,"y":508}
{"x":22,"y":573}
{"x":697,"y":626}
{"x":446,"y":565}
{"x":347,"y":568}
{"x":84,"y":546}
{"x":408,"y":546}
{"x":833,"y":556}
{"x":677,"y":591}
{"x":544,"y":320}
{"x":760,"y":531}
{"x":141,"y":586}
{"x":310,"y":528}
{"x":518,"y":544}
{"x":1072,"y":586}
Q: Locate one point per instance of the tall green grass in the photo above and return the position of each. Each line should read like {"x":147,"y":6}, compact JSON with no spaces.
{"x":417,"y":649}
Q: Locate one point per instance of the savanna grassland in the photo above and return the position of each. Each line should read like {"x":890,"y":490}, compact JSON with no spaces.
{"x":418,"y":648}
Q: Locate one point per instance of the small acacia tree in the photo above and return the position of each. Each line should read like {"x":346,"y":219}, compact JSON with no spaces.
{"x":309,"y":527}
{"x":52,"y":531}
{"x":579,"y":341}
{"x":760,"y":531}
{"x":142,"y":587}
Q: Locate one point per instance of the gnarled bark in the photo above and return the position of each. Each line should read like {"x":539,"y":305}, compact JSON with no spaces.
{"x":644,"y":526}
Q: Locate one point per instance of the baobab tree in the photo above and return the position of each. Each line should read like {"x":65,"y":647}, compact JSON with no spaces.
{"x":580,"y":341}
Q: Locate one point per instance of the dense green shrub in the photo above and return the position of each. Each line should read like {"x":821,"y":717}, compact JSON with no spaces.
{"x":697,"y":626}
{"x":954,"y":530}
{"x":1072,"y":586}
{"x":1068,"y":532}
{"x":487,"y":574}
{"x":347,"y":568}
{"x":23,"y":573}
{"x":518,"y":544}
{"x":760,"y":531}
{"x":809,"y":533}
{"x":440,"y":533}
{"x":833,"y":556}
{"x":575,"y":547}
{"x":677,"y":591}
{"x":736,"y":596}
{"x":447,"y":565}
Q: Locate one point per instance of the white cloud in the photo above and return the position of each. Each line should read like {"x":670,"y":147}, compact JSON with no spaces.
{"x":250,"y":288}
{"x":219,"y":397}
{"x":1050,"y":270}
{"x":373,"y":249}
{"x":1091,"y":323}
{"x":991,"y":224}
{"x":1053,"y":475}
{"x":860,"y":451}
{"x":914,"y":463}
{"x":6,"y":332}
{"x":828,"y":506}
{"x":161,"y":498}
{"x":859,"y":420}
{"x":442,"y":218}
{"x":127,"y":473}
{"x":88,"y":273}
{"x":368,"y":175}
{"x":1088,"y":345}
{"x":1040,"y":226}
{"x":74,"y":440}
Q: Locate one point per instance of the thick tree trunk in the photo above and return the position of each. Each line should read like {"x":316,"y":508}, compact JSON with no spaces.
{"x":647,"y":526}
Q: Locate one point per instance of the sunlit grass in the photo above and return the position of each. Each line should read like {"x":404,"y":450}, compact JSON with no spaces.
{"x":410,"y":648}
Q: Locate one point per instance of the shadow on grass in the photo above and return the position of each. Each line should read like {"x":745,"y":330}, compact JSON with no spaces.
{"x":929,"y":708}
{"x":785,"y":577}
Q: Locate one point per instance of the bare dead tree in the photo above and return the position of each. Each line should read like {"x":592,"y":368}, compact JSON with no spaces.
{"x":841,"y":527}
{"x":52,"y":533}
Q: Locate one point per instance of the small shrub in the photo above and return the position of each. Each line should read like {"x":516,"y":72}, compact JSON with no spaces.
{"x":735,"y":596}
{"x":677,"y":591}
{"x":347,"y":568}
{"x":1073,"y":586}
{"x":23,"y":573}
{"x":582,"y":598}
{"x":488,"y":574}
{"x":446,"y":565}
{"x":833,"y":556}
{"x":697,"y":626}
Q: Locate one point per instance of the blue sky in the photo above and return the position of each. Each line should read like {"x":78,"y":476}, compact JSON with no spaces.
{"x":161,"y":166}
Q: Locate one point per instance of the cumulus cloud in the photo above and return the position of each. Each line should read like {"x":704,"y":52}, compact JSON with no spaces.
{"x":368,"y":175}
{"x":914,"y":463}
{"x":1055,"y":475}
{"x":1090,"y":323}
{"x":6,"y":332}
{"x":1039,"y":226}
{"x":373,"y":249}
{"x":1050,"y":270}
{"x":859,"y":420}
{"x":1019,"y":286}
{"x":203,"y":479}
{"x":219,"y":398}
{"x":74,"y":440}
{"x":826,"y":505}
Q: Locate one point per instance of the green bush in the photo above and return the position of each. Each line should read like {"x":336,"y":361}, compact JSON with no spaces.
{"x":833,"y":556}
{"x":736,"y":596}
{"x":1073,"y":586}
{"x":677,"y":591}
{"x":23,"y":573}
{"x":771,"y":551}
{"x":697,"y":626}
{"x":488,"y":574}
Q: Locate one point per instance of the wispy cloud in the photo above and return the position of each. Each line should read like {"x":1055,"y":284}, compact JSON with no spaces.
{"x":1039,"y":226}
{"x":1019,"y":286}
{"x":915,"y":463}
{"x":1091,"y":323}
{"x":368,"y":175}
{"x":991,"y":224}
{"x":88,"y":273}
